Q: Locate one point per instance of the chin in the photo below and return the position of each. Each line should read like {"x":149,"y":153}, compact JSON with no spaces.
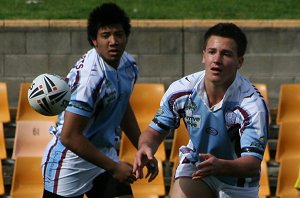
{"x":215,"y":78}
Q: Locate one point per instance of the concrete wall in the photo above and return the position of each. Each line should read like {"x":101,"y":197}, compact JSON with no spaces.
{"x":165,"y":50}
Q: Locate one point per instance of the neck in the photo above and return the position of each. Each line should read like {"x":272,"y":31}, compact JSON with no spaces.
{"x":214,"y":93}
{"x":113,"y":64}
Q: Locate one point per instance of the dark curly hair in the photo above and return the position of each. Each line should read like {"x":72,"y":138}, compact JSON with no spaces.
{"x":228,"y":30}
{"x":105,"y":15}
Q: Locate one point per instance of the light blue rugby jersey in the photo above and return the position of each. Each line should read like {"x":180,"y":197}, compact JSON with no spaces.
{"x":101,"y":93}
{"x":235,"y":127}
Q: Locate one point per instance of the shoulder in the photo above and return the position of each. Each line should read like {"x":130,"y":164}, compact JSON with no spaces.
{"x":128,"y":59}
{"x":250,"y":96}
{"x":129,"y":65}
{"x":188,"y":82}
{"x":88,"y":69}
{"x":183,"y":87}
{"x":86,"y":61}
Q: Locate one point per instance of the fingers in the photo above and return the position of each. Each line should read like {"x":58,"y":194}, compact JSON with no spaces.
{"x":150,"y":168}
{"x":200,"y":174}
{"x":139,"y":172}
{"x":206,"y":167}
{"x":206,"y":160}
{"x":123,"y":173}
{"x":137,"y":166}
{"x":137,"y":161}
{"x":153,"y":175}
{"x":152,"y":171}
{"x":143,"y":156}
{"x":132,"y":178}
{"x":205,"y":156}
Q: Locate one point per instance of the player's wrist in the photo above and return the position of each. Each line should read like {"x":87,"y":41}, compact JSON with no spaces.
{"x":112,"y":167}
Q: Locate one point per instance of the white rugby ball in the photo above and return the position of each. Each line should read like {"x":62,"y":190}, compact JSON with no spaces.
{"x":49,"y":94}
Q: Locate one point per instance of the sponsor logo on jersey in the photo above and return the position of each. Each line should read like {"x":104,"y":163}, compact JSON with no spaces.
{"x":110,"y":93}
{"x":191,"y":119}
{"x":190,"y":105}
{"x":211,"y":131}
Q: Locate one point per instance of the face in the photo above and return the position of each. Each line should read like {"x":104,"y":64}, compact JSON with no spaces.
{"x":110,"y":44}
{"x":221,"y":61}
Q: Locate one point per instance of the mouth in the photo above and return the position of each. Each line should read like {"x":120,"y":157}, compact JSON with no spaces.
{"x":216,"y":70}
{"x":113,"y":52}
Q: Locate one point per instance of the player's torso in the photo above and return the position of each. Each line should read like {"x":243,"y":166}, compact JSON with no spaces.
{"x":218,"y":130}
{"x":107,"y":96}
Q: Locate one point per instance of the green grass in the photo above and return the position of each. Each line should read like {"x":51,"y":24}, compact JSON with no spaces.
{"x":154,"y":9}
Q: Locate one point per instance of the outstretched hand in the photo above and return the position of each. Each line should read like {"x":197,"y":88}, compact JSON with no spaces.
{"x":145,"y":157}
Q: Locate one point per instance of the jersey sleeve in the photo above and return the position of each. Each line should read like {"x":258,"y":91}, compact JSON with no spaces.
{"x":254,"y":131}
{"x":85,"y":83}
{"x":172,"y":104}
{"x":165,"y":118}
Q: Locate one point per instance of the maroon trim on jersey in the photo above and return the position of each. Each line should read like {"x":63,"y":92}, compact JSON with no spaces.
{"x":55,"y":186}
{"x":175,"y":96}
{"x":246,"y":118}
{"x":48,"y":157}
{"x":96,"y":91}
{"x":76,"y":82}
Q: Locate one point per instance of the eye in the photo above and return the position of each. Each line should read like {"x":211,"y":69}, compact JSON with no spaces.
{"x":227,"y":53}
{"x":211,"y":51}
{"x":105,"y":35}
{"x":120,"y":34}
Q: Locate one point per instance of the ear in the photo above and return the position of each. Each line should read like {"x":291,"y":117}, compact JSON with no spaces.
{"x":95,"y":43}
{"x":203,"y":57}
{"x":240,"y":62}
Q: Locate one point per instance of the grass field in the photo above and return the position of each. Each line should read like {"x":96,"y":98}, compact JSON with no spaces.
{"x":154,"y":9}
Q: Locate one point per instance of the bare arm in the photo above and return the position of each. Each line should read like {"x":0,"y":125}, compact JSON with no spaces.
{"x":152,"y":139}
{"x":246,"y":166}
{"x":130,"y":126}
{"x":72,"y":137}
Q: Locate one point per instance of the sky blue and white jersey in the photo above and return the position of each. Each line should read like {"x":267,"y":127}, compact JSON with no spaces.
{"x":237,"y":126}
{"x":101,"y":93}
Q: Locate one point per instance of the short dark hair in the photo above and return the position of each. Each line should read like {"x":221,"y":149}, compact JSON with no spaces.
{"x":105,"y":15}
{"x":228,"y":30}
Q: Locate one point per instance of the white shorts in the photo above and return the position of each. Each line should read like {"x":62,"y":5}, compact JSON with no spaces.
{"x":221,"y":189}
{"x":67,"y":174}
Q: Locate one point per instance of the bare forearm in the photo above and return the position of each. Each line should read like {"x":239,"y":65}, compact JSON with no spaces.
{"x":242,"y":167}
{"x":248,"y":166}
{"x":151,"y":138}
{"x":86,"y":150}
{"x":73,"y":139}
{"x":130,"y":126}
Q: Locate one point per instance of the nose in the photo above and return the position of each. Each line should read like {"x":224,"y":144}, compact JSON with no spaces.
{"x":217,"y":57}
{"x":113,"y":40}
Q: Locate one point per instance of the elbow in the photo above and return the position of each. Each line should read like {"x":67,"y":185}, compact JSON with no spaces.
{"x":253,"y":171}
{"x":65,"y":140}
{"x":251,"y":166}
